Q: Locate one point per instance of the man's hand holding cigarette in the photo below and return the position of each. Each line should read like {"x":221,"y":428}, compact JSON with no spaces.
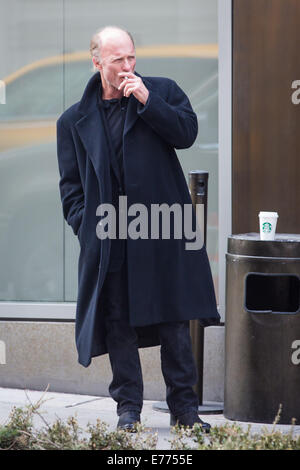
{"x":133,"y":84}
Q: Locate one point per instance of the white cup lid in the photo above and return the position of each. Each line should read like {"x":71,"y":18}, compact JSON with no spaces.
{"x":268,"y":214}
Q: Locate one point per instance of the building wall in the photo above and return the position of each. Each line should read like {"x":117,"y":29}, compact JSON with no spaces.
{"x":266,"y":116}
{"x":34,"y":355}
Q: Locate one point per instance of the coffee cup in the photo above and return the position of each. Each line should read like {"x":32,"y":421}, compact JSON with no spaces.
{"x":267,"y":225}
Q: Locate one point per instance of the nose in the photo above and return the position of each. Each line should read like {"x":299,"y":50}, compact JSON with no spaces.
{"x":126,"y":65}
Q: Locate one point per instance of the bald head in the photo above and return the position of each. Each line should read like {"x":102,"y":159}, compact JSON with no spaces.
{"x":108,"y":36}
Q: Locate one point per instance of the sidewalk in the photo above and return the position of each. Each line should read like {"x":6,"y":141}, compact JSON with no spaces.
{"x":87,"y":409}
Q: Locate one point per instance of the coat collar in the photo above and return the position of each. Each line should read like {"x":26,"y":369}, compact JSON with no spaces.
{"x":89,"y":102}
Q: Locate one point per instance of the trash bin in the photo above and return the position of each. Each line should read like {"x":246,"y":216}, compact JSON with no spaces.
{"x":262,"y":329}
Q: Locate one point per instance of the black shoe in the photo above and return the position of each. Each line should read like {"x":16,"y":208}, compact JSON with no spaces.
{"x":128,"y":420}
{"x":189,"y":419}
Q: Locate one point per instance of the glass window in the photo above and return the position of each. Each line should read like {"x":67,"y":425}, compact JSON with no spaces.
{"x":31,"y":226}
{"x":45,"y":67}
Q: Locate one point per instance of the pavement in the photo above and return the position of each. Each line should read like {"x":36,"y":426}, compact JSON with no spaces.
{"x":87,"y":409}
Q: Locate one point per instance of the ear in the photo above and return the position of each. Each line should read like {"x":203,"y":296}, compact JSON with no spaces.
{"x":96,"y":63}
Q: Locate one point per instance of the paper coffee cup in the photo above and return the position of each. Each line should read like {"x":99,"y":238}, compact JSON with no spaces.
{"x":267,"y":225}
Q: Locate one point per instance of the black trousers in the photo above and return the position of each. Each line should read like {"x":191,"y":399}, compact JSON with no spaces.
{"x":177,"y":361}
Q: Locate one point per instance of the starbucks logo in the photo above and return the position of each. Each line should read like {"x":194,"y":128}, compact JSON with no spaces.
{"x":267,"y":227}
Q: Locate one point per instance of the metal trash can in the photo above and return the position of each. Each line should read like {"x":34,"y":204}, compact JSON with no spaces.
{"x":262,"y":329}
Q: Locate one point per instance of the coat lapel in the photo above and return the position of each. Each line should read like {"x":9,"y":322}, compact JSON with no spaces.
{"x":92,"y":134}
{"x":131,"y":114}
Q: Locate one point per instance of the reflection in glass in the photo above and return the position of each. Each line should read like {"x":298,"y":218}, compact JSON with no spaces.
{"x":31,"y":226}
{"x":45,"y":72}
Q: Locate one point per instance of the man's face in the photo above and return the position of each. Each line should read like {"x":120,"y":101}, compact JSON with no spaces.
{"x":117,"y":55}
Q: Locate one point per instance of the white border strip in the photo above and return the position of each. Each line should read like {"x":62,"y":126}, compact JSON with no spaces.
{"x":225,"y":140}
{"x":42,"y":311}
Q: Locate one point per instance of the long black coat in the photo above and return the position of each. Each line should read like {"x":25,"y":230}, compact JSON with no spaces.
{"x":166,"y":282}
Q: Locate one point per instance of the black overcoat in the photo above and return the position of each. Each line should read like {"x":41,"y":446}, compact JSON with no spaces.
{"x":166,"y":282}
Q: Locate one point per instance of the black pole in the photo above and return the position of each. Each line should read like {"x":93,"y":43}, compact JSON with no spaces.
{"x":198,"y":183}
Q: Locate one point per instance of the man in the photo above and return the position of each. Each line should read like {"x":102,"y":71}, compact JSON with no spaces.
{"x":133,"y":292}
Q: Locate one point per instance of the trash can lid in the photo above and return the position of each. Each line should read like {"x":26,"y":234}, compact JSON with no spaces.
{"x":285,"y":245}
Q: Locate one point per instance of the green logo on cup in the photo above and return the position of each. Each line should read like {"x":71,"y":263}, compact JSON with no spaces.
{"x":266,"y":227}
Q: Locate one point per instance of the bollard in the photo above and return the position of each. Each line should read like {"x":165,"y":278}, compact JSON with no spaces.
{"x":198,"y":184}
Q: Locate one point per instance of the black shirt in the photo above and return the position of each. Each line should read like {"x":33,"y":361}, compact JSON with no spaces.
{"x":115,"y":113}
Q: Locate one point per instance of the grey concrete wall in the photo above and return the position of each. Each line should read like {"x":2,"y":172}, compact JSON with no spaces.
{"x":35,"y":354}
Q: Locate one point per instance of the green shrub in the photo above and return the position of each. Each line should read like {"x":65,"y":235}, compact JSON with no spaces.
{"x":19,"y":434}
{"x":231,"y":436}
